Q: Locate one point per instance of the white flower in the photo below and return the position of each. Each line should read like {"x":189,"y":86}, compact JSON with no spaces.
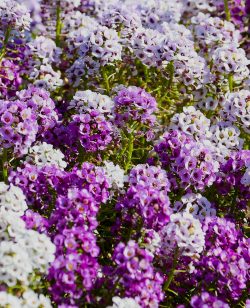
{"x":115,"y":174}
{"x":32,"y":300}
{"x":9,"y":300}
{"x":14,"y":15}
{"x":225,"y":138}
{"x":87,"y":100}
{"x":44,"y":154}
{"x":192,"y":122}
{"x":45,"y":48}
{"x":185,"y":232}
{"x":195,"y":204}
{"x":12,"y":199}
{"x":125,"y":302}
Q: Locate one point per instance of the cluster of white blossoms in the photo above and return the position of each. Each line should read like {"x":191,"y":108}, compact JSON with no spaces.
{"x":212,"y":32}
{"x":115,"y":175}
{"x":45,"y":49}
{"x":231,"y":60}
{"x":15,"y":15}
{"x":125,"y":302}
{"x":87,"y":100}
{"x":12,"y":200}
{"x":236,"y":109}
{"x":44,"y":154}
{"x":29,"y":299}
{"x":195,"y":204}
{"x":183,"y":232}
{"x":225,"y":138}
{"x":192,"y":122}
{"x":22,"y":251}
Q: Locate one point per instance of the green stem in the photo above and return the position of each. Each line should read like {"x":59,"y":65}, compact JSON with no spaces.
{"x":5,"y":42}
{"x":4,"y":165}
{"x":130,"y":150}
{"x":58,"y":24}
{"x":106,"y":81}
{"x":172,"y":271}
{"x":227,"y":11}
{"x":171,"y":74}
{"x":230,"y":82}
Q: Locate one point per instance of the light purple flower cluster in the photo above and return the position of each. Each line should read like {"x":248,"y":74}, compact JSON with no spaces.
{"x":189,"y":163}
{"x":146,"y":199}
{"x":225,"y":262}
{"x":134,"y":104}
{"x":18,"y":126}
{"x":138,"y":278}
{"x":40,"y":102}
{"x":124,"y":153}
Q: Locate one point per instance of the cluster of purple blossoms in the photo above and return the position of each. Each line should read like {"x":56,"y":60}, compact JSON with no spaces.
{"x":189,"y":163}
{"x":238,"y":12}
{"x":38,"y":184}
{"x":207,"y":300}
{"x":134,"y":104}
{"x":18,"y":126}
{"x":234,"y":177}
{"x":124,"y":158}
{"x":138,"y":278}
{"x":225,"y":262}
{"x":75,"y":268}
{"x":146,"y":199}
{"x":40,"y":102}
{"x":10,"y":79}
{"x":35,"y":221}
{"x":92,"y":130}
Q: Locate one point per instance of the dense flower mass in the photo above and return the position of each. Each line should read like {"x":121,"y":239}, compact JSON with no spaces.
{"x":124,"y":153}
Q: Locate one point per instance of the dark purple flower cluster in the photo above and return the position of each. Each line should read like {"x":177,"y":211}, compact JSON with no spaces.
{"x":234,"y":178}
{"x":92,"y":130}
{"x":188,"y":162}
{"x":146,"y":199}
{"x":35,"y":221}
{"x":206,"y":300}
{"x":75,"y":268}
{"x":225,"y":261}
{"x":18,"y":127}
{"x":39,"y":184}
{"x":10,"y":78}
{"x":134,"y":104}
{"x":136,"y":274}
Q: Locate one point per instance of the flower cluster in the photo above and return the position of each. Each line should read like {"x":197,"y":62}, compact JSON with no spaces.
{"x":188,"y":162}
{"x":18,"y":126}
{"x":146,"y":199}
{"x":138,"y":278}
{"x":226,"y":261}
{"x":124,"y":153}
{"x":134,"y":104}
{"x":92,"y":130}
{"x":183,"y":234}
